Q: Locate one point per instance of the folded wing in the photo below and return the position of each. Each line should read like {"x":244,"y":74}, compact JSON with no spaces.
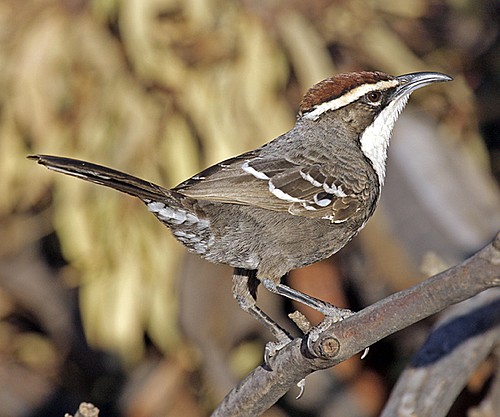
{"x":277,"y":184}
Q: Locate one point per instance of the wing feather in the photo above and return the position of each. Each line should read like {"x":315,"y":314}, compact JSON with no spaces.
{"x":276,"y":184}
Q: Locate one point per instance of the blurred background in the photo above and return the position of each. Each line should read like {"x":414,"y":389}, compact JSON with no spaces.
{"x":99,"y":303}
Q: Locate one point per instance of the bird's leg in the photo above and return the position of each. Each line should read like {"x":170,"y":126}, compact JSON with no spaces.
{"x":245,"y":285}
{"x":322,"y":306}
{"x":335,"y":313}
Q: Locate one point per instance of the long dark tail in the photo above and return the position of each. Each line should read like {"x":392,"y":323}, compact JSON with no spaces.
{"x":101,"y":175}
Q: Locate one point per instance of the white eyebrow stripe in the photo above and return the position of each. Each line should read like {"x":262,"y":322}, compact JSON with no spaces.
{"x":349,"y":98}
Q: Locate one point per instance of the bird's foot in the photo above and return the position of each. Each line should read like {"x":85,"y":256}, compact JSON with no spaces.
{"x":272,"y":348}
{"x":335,"y":313}
{"x":331,"y":317}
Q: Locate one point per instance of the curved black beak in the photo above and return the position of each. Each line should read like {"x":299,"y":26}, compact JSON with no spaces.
{"x":410,"y":82}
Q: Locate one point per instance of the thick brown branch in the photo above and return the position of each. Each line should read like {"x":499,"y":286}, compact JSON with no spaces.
{"x":331,"y":343}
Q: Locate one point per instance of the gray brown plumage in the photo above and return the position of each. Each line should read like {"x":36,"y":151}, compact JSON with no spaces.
{"x":292,"y":202}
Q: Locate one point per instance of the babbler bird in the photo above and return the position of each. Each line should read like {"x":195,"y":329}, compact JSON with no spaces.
{"x":292,"y":202}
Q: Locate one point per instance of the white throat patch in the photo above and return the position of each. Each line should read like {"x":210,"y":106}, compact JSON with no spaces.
{"x":375,"y":139}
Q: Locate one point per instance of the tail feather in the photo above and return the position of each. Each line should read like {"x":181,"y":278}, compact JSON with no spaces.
{"x":101,"y":175}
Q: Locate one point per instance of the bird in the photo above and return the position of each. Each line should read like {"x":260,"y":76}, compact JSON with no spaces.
{"x":294,"y":201}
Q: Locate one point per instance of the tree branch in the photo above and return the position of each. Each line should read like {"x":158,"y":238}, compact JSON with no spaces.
{"x":331,"y":343}
{"x":461,"y":341}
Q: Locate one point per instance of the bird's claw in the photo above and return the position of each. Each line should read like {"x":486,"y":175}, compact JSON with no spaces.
{"x":302,"y":386}
{"x":272,"y":348}
{"x":365,"y":352}
{"x":338,"y":314}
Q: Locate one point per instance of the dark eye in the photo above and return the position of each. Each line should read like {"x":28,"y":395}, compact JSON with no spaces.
{"x":374,"y":97}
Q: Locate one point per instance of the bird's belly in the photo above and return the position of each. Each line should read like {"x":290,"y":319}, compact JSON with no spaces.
{"x":259,"y":239}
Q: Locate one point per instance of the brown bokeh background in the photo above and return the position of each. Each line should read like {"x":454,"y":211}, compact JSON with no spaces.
{"x":99,"y":303}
